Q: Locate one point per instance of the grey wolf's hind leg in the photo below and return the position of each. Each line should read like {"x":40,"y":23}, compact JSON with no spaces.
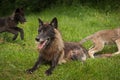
{"x":118,"y":45}
{"x":98,"y":46}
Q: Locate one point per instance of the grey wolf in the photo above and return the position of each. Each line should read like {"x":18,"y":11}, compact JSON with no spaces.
{"x":102,"y":38}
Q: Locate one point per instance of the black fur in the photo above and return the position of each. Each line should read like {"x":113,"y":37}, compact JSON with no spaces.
{"x":9,"y":24}
{"x":46,"y":32}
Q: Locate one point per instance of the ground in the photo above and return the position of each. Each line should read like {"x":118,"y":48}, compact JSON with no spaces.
{"x":75,"y":23}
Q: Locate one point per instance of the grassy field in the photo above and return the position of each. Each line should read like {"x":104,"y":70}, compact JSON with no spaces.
{"x":75,"y":23}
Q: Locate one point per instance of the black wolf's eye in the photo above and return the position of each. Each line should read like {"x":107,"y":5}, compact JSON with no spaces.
{"x":40,"y":25}
{"x":40,"y":29}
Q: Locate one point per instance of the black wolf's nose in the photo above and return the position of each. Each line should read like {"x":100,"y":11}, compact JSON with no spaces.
{"x":37,"y":39}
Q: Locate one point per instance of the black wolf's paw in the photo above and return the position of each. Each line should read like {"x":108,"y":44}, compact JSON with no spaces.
{"x":48,"y":72}
{"x":29,"y":71}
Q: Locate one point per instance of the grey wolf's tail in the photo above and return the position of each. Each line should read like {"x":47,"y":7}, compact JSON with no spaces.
{"x":85,"y":39}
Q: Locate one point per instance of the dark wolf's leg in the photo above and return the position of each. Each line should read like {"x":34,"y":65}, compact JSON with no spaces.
{"x":36,"y":65}
{"x":53,"y":64}
{"x":21,"y":32}
{"x":11,"y":30}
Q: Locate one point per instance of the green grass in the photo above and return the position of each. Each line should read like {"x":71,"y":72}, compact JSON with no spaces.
{"x":75,"y":23}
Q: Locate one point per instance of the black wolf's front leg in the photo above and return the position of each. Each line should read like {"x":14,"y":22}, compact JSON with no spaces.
{"x":21,"y":32}
{"x":53,"y":65}
{"x":36,"y":65}
{"x":13,"y":31}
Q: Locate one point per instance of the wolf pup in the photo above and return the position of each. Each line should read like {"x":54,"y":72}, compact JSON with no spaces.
{"x":52,"y":49}
{"x":9,"y":24}
{"x":101,"y":38}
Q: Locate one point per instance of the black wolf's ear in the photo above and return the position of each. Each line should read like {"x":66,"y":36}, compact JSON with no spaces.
{"x":17,"y":10}
{"x":54,"y":22}
{"x":40,"y":22}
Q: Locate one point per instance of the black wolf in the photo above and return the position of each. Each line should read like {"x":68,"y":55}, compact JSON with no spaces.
{"x":52,"y":49}
{"x":9,"y":24}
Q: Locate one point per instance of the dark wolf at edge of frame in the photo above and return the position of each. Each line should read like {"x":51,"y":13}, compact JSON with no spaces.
{"x":9,"y":24}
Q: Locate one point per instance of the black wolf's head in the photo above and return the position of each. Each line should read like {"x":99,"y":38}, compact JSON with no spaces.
{"x":19,"y":15}
{"x":46,"y":33}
